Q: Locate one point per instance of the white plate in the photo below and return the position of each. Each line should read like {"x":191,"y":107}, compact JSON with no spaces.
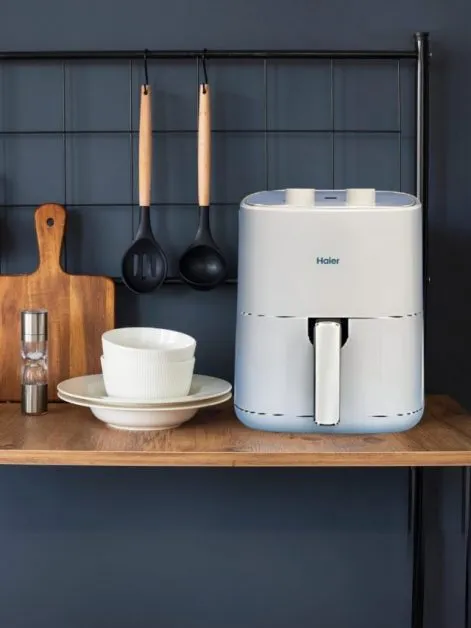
{"x":139,"y":419}
{"x":202,"y":403}
{"x":91,"y":388}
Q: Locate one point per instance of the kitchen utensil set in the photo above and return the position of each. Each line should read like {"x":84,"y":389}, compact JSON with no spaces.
{"x":144,"y":265}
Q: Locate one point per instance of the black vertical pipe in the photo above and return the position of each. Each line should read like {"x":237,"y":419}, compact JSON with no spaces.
{"x":423,"y":143}
{"x":465,"y":504}
{"x":417,"y":523}
{"x":422,"y":190}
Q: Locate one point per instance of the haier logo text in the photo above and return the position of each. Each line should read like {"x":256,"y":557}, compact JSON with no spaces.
{"x":328,"y":260}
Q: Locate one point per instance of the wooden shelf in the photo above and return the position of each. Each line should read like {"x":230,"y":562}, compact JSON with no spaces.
{"x":69,"y":435}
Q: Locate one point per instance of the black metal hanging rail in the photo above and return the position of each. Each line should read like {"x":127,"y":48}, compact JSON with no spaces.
{"x":130,"y":55}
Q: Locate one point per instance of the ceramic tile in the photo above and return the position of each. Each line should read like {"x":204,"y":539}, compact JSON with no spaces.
{"x":299,"y":95}
{"x":300,"y":160}
{"x":98,"y":169}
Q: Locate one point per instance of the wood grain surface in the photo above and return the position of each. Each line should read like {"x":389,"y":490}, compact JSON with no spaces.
{"x":69,"y":435}
{"x":204,"y":146}
{"x":145,"y":146}
{"x":80,"y":308}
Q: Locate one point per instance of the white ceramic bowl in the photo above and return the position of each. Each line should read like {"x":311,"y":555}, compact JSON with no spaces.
{"x":147,"y":344}
{"x":159,"y":380}
{"x":148,"y":420}
{"x":155,"y":419}
{"x":143,"y":418}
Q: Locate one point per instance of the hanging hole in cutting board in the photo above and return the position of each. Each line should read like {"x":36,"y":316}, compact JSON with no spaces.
{"x":50,"y":222}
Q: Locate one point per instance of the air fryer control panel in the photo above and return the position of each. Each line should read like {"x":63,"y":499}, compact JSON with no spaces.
{"x":309,"y":198}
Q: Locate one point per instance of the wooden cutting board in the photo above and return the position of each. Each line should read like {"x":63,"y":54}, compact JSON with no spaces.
{"x":80,"y":308}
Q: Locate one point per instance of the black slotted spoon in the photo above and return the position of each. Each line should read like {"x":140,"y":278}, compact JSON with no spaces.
{"x":144,"y":265}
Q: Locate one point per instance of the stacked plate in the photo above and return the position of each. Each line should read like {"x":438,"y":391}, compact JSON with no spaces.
{"x":89,"y":391}
{"x":147,"y":381}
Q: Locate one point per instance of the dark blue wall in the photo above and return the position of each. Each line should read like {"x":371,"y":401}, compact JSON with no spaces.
{"x":186,"y":548}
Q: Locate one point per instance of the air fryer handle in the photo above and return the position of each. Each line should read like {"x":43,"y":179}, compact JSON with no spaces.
{"x":327,"y":344}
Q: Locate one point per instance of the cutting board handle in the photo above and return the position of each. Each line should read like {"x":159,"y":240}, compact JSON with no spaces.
{"x":50,"y":225}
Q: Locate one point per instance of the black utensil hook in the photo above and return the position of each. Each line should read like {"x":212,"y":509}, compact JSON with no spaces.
{"x":202,"y":60}
{"x":146,"y":71}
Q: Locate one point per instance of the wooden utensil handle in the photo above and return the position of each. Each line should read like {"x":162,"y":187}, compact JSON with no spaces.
{"x":204,"y":146}
{"x":145,"y":147}
{"x":50,"y":225}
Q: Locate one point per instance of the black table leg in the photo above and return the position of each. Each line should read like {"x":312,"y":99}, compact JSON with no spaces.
{"x":416,"y":524}
{"x":465,"y":502}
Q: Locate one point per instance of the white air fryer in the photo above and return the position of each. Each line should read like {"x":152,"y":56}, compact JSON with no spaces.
{"x":330,"y":311}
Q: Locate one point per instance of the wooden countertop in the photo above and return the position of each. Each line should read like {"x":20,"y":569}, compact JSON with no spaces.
{"x":69,"y":435}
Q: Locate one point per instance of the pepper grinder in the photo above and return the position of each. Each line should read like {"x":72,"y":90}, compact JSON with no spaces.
{"x":34,"y":373}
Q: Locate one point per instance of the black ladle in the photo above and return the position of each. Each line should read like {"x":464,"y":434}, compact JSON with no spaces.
{"x":203,"y":266}
{"x":144,"y":265}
